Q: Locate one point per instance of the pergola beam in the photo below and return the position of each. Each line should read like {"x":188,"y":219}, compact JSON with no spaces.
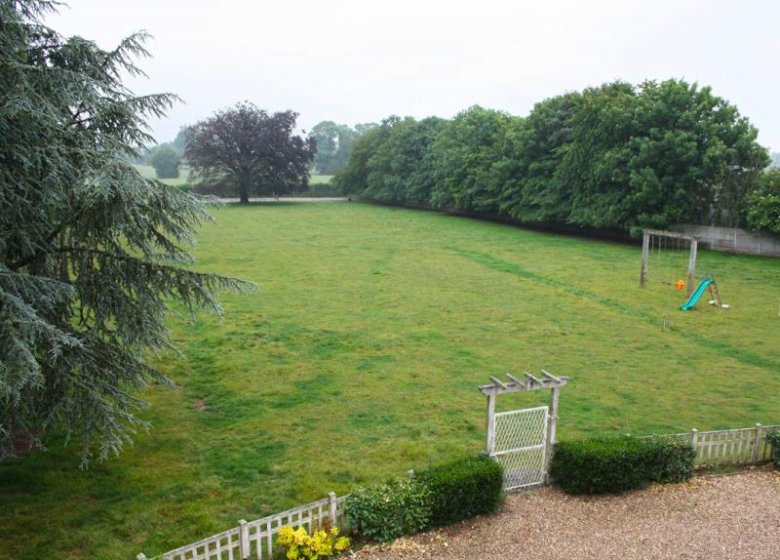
{"x":532,"y":378}
{"x":514,"y":379}
{"x":514,"y":385}
{"x":498,"y":383}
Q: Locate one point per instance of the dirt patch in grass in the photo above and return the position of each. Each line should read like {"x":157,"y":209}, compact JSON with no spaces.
{"x":732,"y":517}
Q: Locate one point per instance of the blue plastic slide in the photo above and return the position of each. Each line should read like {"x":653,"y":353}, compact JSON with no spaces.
{"x":693,"y":300}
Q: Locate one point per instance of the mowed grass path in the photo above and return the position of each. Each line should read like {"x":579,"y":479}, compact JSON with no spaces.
{"x":359,"y":358}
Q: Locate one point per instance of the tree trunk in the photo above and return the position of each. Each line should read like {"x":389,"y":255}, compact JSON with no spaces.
{"x":243,"y":188}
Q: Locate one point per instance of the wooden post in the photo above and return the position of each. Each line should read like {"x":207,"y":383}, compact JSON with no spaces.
{"x":694,"y":440}
{"x":490,"y":444}
{"x":553,"y":420}
{"x":692,"y":265}
{"x":332,"y":508}
{"x":552,"y":425}
{"x":243,"y":539}
{"x":756,"y":443}
{"x":645,"y":254}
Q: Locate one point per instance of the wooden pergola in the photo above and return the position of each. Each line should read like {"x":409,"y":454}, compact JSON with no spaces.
{"x":516,"y":384}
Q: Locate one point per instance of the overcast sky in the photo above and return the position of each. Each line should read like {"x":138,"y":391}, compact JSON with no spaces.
{"x":354,"y":61}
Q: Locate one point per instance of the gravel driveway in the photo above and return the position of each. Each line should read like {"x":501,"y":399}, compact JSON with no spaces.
{"x":731,"y":517}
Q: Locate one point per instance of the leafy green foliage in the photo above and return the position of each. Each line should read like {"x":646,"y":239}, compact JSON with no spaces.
{"x":658,"y":154}
{"x":438,"y":496}
{"x":533,"y":189}
{"x":463,"y":489}
{"x":165,"y":162}
{"x":396,"y":170}
{"x":615,"y":157}
{"x":179,"y":144}
{"x":334,"y":144}
{"x":763,"y":204}
{"x":463,"y":156}
{"x":385,"y":511}
{"x":773,"y":438}
{"x":353,"y":177}
{"x":90,"y":252}
{"x":670,"y":459}
{"x":606,"y":466}
{"x":599,"y":466}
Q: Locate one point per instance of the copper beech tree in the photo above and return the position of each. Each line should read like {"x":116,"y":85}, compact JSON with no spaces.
{"x":250,"y":150}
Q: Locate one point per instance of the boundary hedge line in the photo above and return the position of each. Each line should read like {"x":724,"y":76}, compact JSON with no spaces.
{"x":610,"y":466}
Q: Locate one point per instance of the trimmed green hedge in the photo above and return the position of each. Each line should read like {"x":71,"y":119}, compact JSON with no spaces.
{"x":437,"y":496}
{"x":463,"y":489}
{"x":383,"y":512}
{"x":773,"y":438}
{"x":609,"y":466}
{"x":670,"y":459}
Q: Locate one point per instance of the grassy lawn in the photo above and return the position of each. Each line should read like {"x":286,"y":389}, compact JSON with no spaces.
{"x":360,"y":355}
{"x":320,"y":179}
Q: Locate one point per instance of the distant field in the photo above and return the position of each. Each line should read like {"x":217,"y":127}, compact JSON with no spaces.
{"x":320,"y":179}
{"x":148,"y":171}
{"x":360,"y":355}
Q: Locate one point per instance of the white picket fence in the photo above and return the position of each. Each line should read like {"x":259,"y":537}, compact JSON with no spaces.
{"x":746,"y":446}
{"x":256,"y":539}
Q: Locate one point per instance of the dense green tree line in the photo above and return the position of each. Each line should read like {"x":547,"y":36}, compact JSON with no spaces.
{"x":615,"y":157}
{"x":763,"y":204}
{"x":334,"y":144}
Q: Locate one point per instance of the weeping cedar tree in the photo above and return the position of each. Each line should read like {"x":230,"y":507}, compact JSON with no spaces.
{"x":250,"y":149}
{"x":90,"y":251}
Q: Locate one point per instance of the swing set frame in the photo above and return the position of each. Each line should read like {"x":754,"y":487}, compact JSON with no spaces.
{"x":648,"y":234}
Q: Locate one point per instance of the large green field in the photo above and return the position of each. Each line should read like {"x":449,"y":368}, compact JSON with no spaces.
{"x":148,"y":172}
{"x":359,"y":357}
{"x":184,"y":176}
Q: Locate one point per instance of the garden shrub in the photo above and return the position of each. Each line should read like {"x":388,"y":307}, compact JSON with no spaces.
{"x":604,"y":466}
{"x":383,"y":512}
{"x":322,"y":543}
{"x":599,"y":466}
{"x":671,"y":459}
{"x":773,"y":438}
{"x":463,"y":489}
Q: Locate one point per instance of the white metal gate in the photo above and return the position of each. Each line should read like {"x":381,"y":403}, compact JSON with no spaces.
{"x":520,"y":446}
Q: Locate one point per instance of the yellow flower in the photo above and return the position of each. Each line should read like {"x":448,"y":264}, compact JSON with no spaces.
{"x":342,"y":544}
{"x":300,"y":536}
{"x":320,"y":544}
{"x":285,"y":537}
